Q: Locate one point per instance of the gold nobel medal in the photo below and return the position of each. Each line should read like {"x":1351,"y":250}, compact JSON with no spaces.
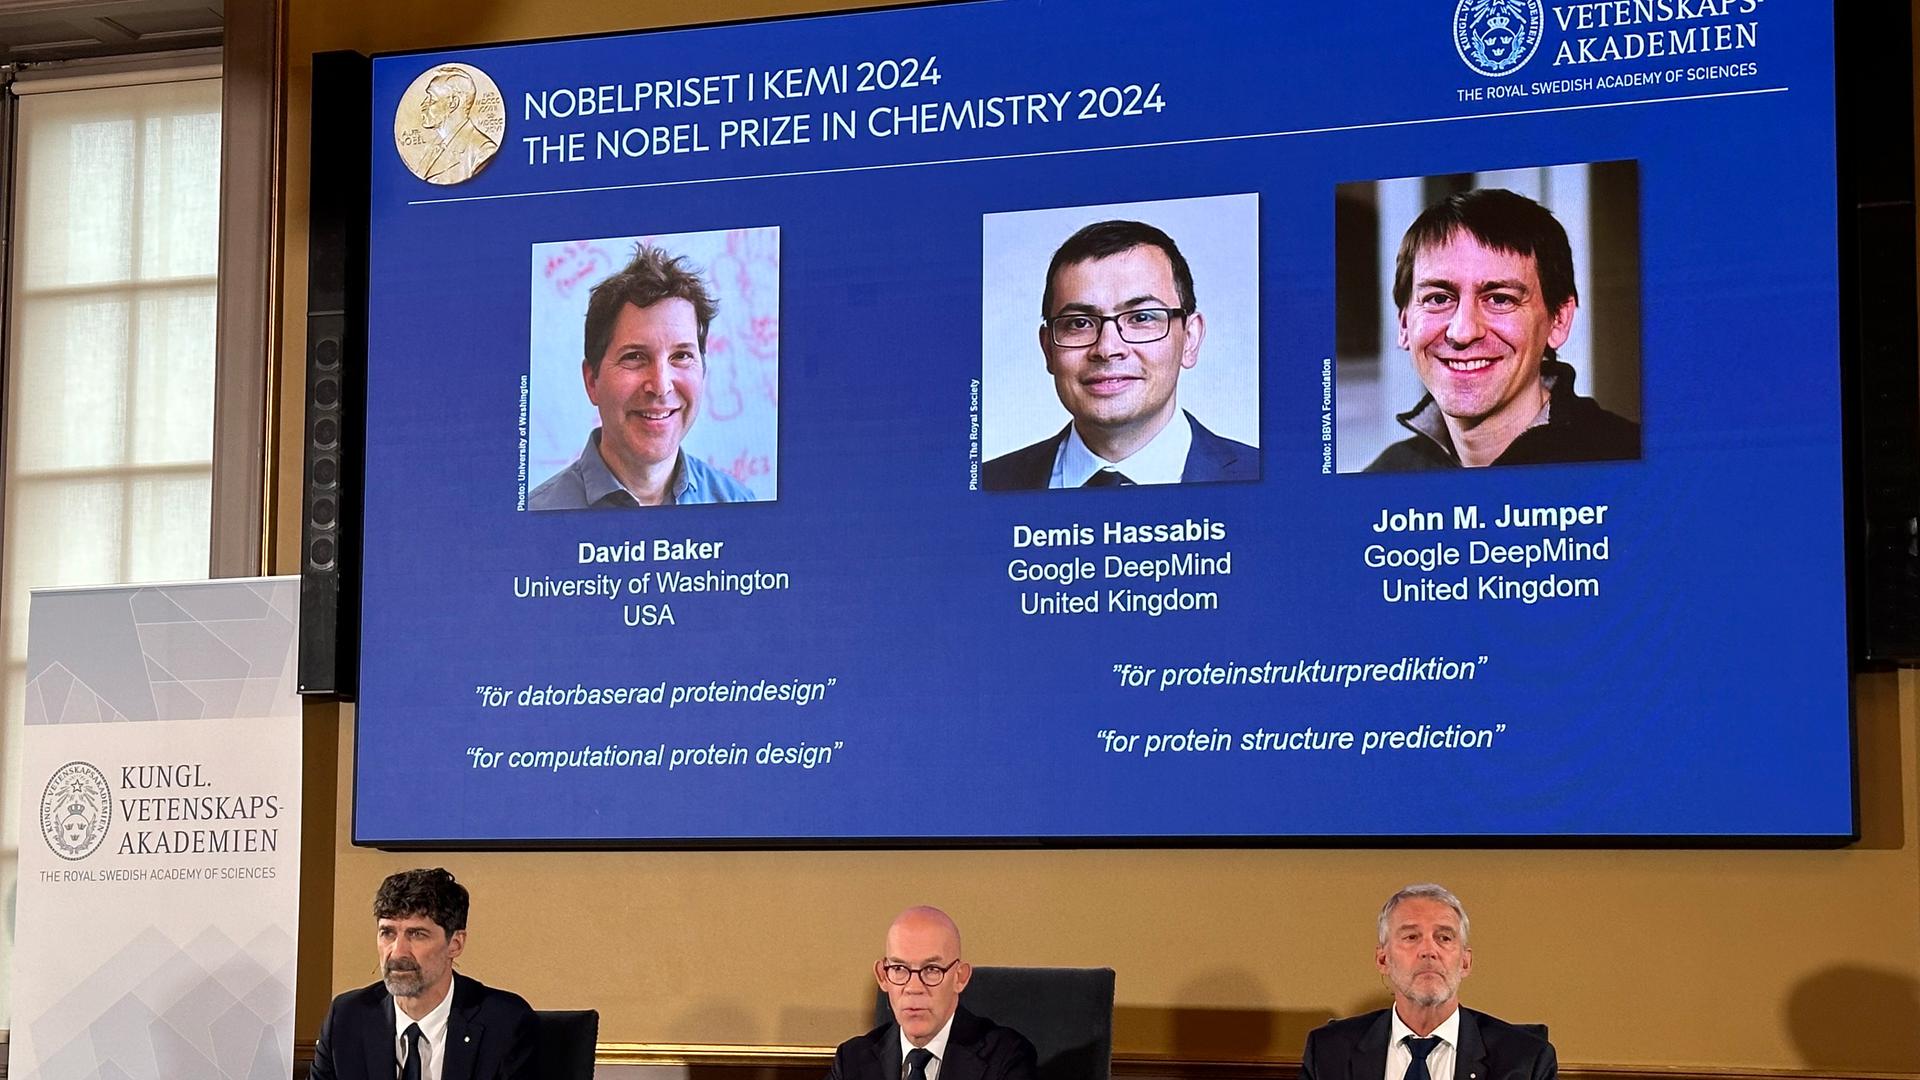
{"x":449,"y":124}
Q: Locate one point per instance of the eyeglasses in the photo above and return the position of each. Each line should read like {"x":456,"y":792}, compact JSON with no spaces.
{"x":930,"y":974}
{"x":1138,"y":326}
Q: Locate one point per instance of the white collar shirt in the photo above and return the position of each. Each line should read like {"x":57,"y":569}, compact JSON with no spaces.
{"x":1439,"y":1060}
{"x":937,"y":1046}
{"x":1161,"y":461}
{"x":433,"y":1038}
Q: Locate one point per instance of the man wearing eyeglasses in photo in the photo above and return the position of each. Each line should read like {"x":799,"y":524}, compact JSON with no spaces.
{"x":1119,"y":325}
{"x":932,"y":1036}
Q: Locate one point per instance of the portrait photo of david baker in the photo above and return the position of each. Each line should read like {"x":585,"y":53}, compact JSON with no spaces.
{"x":642,"y":380}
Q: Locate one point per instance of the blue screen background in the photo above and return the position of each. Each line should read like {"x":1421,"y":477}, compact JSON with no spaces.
{"x":1702,"y":693}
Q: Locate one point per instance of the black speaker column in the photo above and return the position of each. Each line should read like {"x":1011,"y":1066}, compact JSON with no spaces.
{"x":1874,"y":98}
{"x":336,"y":364}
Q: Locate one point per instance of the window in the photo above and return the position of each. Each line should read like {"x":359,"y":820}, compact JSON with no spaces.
{"x":110,"y":362}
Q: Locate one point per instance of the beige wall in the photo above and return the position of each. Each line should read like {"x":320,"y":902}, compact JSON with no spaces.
{"x":1755,"y":959}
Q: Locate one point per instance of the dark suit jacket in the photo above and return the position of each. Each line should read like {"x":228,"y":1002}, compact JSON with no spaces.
{"x":977,"y":1049}
{"x":1490,"y":1049}
{"x":1210,"y":458}
{"x":491,"y":1035}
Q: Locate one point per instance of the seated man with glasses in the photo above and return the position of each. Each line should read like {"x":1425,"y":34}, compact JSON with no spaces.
{"x":932,"y":1037}
{"x":1119,"y":325}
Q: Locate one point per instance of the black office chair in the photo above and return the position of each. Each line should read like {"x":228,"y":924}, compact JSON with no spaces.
{"x":1067,"y":1012}
{"x":566,"y":1044}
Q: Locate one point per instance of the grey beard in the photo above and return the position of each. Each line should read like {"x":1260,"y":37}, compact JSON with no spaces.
{"x":404,"y":982}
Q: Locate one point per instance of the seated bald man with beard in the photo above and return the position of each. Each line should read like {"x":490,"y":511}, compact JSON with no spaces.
{"x":932,"y":1036}
{"x":1426,"y":1035}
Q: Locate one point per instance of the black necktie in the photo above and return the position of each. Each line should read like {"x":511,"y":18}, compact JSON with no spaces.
{"x":917,"y":1059}
{"x":411,"y":1070}
{"x":1108,"y":478}
{"x":1420,"y":1048}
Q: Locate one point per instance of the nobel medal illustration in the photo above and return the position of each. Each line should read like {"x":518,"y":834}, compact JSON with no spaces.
{"x":449,"y":124}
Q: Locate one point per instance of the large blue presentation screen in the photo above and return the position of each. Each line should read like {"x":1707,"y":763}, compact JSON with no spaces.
{"x":1110,"y":421}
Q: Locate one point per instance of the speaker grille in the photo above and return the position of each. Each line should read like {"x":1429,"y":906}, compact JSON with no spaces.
{"x":336,"y":363}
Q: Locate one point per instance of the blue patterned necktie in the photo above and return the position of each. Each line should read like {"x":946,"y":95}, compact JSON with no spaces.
{"x":917,"y":1059}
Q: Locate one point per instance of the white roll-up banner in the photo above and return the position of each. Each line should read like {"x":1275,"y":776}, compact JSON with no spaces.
{"x":160,"y":833}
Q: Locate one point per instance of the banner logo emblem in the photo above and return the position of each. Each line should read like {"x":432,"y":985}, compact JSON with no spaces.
{"x":449,"y":124}
{"x":1497,"y":37}
{"x":76,"y":810}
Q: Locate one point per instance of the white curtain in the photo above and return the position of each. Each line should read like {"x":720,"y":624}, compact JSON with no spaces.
{"x":109,"y":391}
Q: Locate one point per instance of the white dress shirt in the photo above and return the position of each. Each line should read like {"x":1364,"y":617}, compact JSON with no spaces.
{"x":433,"y":1037}
{"x":1161,"y":461}
{"x":1439,"y":1060}
{"x":937,"y":1046}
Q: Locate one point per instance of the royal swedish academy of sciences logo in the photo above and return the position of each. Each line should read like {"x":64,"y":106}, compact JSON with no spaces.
{"x":1497,"y":37}
{"x":76,"y":810}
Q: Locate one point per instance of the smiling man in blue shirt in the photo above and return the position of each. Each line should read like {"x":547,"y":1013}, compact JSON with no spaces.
{"x":645,"y":370}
